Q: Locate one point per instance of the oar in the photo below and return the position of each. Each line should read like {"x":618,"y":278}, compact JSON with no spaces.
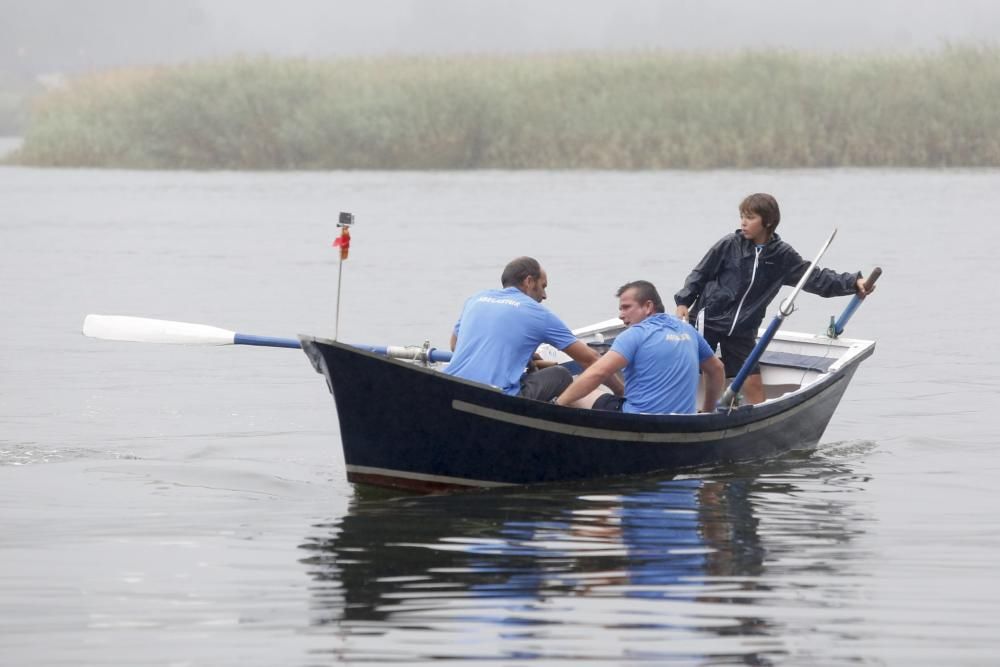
{"x":784,"y":310}
{"x":837,"y":328}
{"x":147,"y":330}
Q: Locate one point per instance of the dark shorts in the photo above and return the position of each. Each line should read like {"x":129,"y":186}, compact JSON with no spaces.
{"x":546,"y":384}
{"x":735,"y":350}
{"x":609,"y":402}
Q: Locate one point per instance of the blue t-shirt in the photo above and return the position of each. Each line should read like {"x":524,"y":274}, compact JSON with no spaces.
{"x":498,"y":331}
{"x":664,"y":355}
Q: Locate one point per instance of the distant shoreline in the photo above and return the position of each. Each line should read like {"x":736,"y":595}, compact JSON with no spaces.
{"x":637,"y":111}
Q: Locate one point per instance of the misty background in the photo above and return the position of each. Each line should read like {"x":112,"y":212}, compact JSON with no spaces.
{"x":52,"y":37}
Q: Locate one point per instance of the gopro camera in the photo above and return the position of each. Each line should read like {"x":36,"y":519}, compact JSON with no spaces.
{"x":346,"y":219}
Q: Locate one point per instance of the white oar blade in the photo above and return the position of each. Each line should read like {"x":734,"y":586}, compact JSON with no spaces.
{"x":145,"y":330}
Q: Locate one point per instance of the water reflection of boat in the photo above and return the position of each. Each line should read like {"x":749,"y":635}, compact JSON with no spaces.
{"x":651,"y":539}
{"x":638,"y":568}
{"x":410,"y":426}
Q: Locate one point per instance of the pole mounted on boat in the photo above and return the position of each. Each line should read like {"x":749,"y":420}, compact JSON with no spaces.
{"x":344,"y":243}
{"x":837,"y":328}
{"x":786,"y":308}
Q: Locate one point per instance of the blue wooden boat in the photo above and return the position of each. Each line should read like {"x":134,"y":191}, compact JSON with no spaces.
{"x":405,"y":424}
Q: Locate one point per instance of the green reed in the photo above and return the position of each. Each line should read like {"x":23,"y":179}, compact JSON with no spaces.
{"x":649,"y":110}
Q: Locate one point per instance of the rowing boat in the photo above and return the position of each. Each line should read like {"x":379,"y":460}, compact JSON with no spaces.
{"x":405,"y":424}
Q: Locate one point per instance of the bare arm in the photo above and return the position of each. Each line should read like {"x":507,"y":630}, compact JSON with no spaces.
{"x":615,"y":383}
{"x":454,"y":341}
{"x":596,"y":374}
{"x":715,"y":376}
{"x":585,"y":355}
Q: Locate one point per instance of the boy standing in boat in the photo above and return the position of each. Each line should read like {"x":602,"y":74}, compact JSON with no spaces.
{"x":660,"y":357}
{"x":739,"y":276}
{"x":500,"y":329}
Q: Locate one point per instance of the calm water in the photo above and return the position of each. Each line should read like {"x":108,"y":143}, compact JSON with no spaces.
{"x":166,"y":505}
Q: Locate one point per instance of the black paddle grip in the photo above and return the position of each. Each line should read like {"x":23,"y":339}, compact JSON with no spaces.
{"x":872,"y":277}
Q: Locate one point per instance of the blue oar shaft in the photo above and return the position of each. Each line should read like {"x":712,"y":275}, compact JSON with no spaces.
{"x":838,"y":327}
{"x":434,"y":355}
{"x":264,"y":341}
{"x":841,"y":323}
{"x":755,"y":355}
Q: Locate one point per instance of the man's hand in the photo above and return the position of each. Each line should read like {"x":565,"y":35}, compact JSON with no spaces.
{"x":537,"y":363}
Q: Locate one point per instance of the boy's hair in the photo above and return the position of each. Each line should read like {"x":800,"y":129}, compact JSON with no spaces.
{"x":766,"y":207}
{"x":644,"y":291}
{"x":518,"y":269}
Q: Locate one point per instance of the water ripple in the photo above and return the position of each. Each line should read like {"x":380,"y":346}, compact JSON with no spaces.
{"x":16,"y":454}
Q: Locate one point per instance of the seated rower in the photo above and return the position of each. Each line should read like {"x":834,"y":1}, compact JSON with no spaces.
{"x":659,"y":356}
{"x":499,"y":330}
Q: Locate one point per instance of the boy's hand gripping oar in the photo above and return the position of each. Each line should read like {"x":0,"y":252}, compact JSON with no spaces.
{"x":784,"y":310}
{"x":837,"y":328}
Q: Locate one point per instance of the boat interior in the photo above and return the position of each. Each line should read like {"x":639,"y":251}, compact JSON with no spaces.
{"x":792,"y":360}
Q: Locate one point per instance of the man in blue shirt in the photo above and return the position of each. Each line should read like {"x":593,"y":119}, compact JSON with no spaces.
{"x":659,"y":356}
{"x":500,"y":329}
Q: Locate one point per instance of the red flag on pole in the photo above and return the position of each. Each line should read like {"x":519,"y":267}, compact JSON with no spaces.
{"x":343,"y":242}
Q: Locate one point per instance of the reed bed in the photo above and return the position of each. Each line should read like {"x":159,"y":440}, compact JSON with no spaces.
{"x":585,"y":111}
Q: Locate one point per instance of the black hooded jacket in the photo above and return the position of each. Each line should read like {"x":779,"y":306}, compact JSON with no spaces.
{"x":728,"y":286}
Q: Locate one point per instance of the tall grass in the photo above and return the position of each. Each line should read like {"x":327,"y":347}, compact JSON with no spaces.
{"x":636,"y":111}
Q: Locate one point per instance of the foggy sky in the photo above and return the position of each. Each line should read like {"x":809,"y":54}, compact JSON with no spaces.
{"x":457,"y":26}
{"x":74,"y":35}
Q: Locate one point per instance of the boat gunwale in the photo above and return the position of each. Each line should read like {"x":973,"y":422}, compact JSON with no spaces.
{"x":630,"y":425}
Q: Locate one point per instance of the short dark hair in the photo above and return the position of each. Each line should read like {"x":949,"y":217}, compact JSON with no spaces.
{"x":644,"y":291}
{"x":765,"y":206}
{"x":518,"y":269}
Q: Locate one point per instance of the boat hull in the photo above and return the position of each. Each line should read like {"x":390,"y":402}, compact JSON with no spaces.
{"x":406,"y":426}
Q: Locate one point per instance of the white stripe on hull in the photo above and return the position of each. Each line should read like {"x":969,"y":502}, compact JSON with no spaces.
{"x":629,"y":436}
{"x":422,"y":477}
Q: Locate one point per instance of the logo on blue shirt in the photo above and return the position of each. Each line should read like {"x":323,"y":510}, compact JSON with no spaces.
{"x":505,"y":302}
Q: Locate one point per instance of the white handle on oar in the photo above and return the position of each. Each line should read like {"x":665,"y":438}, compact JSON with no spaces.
{"x":147,"y":330}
